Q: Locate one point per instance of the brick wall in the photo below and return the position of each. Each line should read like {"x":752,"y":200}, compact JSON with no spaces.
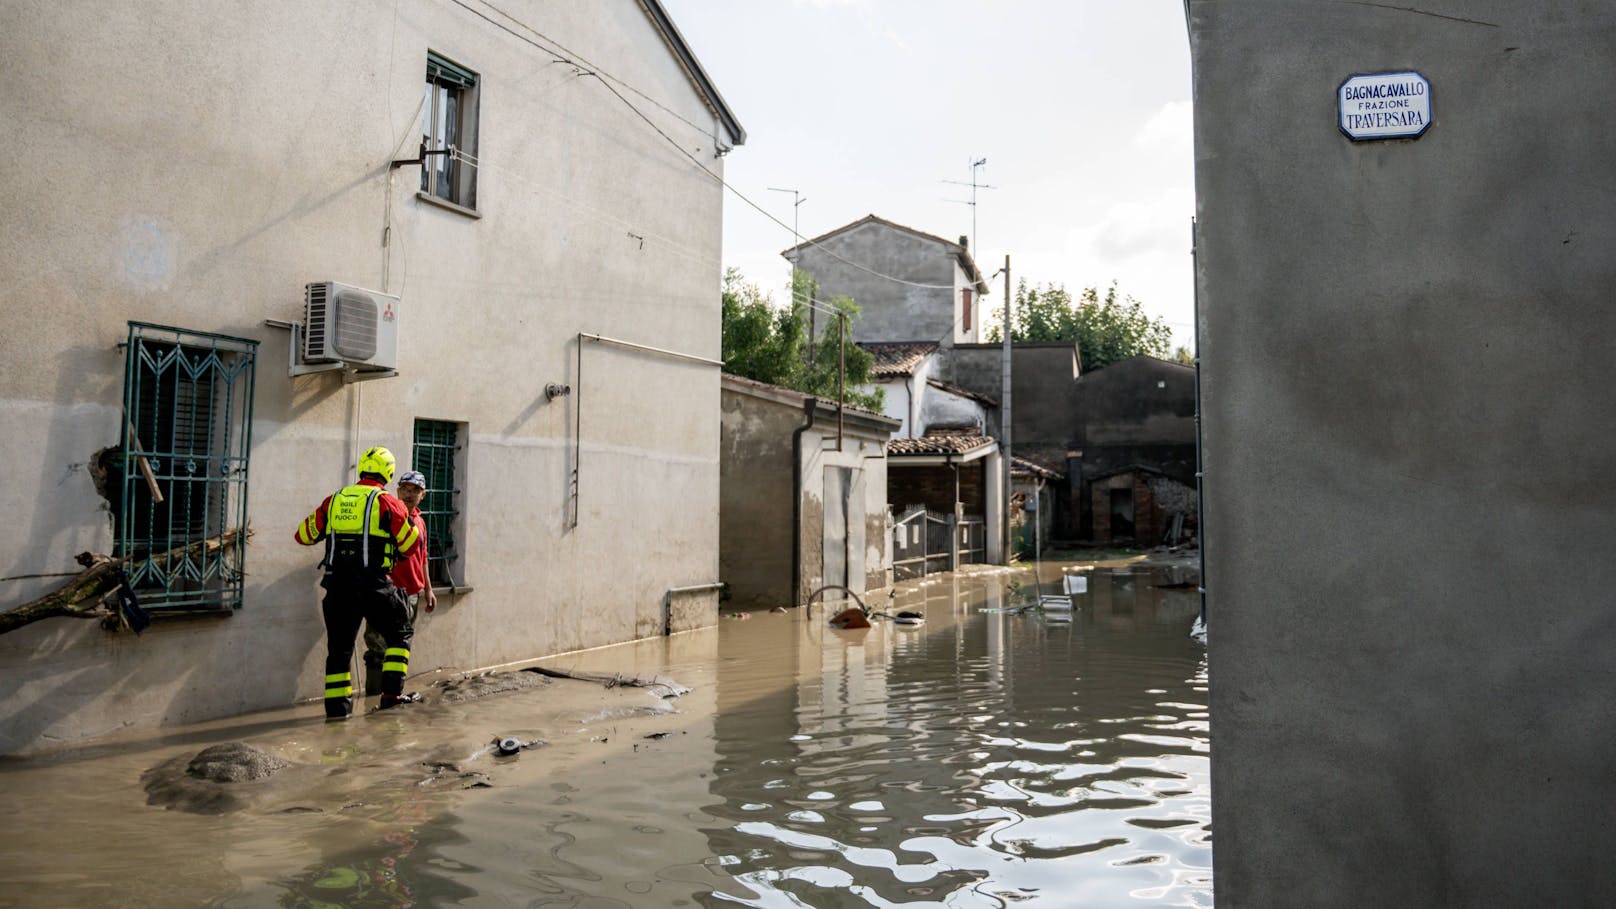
{"x":933,"y":487}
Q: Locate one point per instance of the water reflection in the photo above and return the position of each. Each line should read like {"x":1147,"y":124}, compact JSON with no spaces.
{"x":980,"y":759}
{"x":987,"y":757}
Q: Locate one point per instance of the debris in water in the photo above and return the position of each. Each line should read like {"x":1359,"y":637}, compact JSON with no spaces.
{"x":481,"y":685}
{"x":210,"y":782}
{"x":852,"y":617}
{"x":658,"y":735}
{"x":661,"y":686}
{"x":234,"y":762}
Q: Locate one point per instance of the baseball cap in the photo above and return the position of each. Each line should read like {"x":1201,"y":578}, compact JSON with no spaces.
{"x":412,"y":477}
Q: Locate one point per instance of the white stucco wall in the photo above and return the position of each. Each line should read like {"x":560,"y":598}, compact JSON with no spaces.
{"x":943,"y":408}
{"x":195,"y":166}
{"x":869,"y":545}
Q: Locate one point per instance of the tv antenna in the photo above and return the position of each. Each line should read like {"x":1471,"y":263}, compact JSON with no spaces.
{"x":797,"y":199}
{"x":974,"y":185}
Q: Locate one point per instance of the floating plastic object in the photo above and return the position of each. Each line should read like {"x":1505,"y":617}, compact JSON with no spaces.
{"x":1198,"y":630}
{"x":509,"y":745}
{"x":1076,"y":583}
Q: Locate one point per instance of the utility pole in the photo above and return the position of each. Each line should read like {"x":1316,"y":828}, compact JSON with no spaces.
{"x":841,"y":374}
{"x":975,"y":163}
{"x":796,"y":241}
{"x":1004,"y":414}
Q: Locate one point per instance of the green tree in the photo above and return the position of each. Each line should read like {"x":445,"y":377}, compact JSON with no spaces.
{"x":770,"y":344}
{"x":1107,"y":329}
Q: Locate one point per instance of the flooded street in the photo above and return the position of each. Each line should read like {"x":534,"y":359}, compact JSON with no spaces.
{"x":986,"y":757}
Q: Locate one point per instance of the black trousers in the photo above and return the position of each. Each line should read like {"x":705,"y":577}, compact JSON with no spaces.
{"x":376,"y":643}
{"x":346,"y":606}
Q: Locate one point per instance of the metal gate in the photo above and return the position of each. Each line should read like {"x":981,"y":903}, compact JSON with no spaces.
{"x":920,"y":541}
{"x":973,"y":541}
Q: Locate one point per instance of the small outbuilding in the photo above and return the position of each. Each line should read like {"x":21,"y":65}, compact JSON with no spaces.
{"x":802,"y":496}
{"x":1140,"y":504}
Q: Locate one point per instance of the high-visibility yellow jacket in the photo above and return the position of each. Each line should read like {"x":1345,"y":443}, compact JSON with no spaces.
{"x":364,"y":527}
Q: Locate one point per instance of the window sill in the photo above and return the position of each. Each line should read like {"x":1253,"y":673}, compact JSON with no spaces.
{"x":452,"y":591}
{"x":446,"y":204}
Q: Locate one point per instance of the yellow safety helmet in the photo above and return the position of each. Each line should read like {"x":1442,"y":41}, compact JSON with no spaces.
{"x":378,"y":461}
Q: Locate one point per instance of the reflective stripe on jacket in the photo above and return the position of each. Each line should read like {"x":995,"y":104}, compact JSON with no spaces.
{"x":363,"y":525}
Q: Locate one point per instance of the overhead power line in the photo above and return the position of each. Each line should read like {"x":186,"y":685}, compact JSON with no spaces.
{"x":561,"y":54}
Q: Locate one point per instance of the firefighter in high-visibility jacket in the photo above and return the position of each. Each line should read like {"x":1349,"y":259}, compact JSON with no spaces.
{"x":364,"y":529}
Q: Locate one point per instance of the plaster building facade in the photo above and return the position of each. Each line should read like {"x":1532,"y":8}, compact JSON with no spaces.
{"x":912,"y":286}
{"x":919,"y":296}
{"x":804,"y":497}
{"x":1408,"y":445}
{"x":191,"y":173}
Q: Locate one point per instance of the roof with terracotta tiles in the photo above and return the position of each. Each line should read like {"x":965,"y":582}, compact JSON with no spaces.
{"x":939,"y":444}
{"x":898,"y":359}
{"x":1024,"y":467}
{"x":962,"y":391}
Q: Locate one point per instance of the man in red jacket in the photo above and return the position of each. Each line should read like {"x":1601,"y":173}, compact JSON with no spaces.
{"x":409,"y":579}
{"x":365,"y":531}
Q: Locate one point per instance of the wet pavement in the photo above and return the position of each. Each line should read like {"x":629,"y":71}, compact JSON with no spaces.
{"x":985,"y":757}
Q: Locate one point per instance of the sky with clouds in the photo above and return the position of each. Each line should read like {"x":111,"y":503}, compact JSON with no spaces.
{"x":1081,"y":108}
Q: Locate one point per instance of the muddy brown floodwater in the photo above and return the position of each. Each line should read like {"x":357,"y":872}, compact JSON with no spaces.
{"x":983,"y":758}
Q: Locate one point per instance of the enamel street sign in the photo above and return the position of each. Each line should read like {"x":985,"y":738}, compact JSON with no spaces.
{"x":1384,"y":106}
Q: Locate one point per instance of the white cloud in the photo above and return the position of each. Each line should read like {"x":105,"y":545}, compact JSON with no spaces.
{"x":1169,"y":131}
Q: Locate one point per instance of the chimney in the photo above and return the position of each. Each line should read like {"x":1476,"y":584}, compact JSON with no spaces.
{"x":965,"y":241}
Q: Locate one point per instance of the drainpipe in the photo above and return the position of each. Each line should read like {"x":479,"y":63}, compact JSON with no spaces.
{"x":808,"y":408}
{"x":913,"y":416}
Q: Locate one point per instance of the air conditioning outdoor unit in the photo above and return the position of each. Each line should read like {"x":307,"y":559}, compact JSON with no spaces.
{"x":350,"y":325}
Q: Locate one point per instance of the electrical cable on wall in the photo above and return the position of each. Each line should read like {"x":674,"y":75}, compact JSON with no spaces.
{"x":561,"y":54}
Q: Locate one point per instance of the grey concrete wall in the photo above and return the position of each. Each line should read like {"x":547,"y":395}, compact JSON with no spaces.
{"x":892,"y":310}
{"x":192,"y":166}
{"x":754,"y":522}
{"x":1409,"y":445}
{"x":1041,"y":386}
{"x":1138,"y":411}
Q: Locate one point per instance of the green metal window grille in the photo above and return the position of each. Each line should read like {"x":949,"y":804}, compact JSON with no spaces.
{"x":436,"y":443}
{"x":187,"y":434}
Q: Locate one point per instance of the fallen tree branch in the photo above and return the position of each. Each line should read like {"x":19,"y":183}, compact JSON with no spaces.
{"x":661,"y":686}
{"x":86,"y":595}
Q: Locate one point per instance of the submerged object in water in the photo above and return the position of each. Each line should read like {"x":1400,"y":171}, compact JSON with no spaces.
{"x":852,"y":617}
{"x":909,"y":617}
